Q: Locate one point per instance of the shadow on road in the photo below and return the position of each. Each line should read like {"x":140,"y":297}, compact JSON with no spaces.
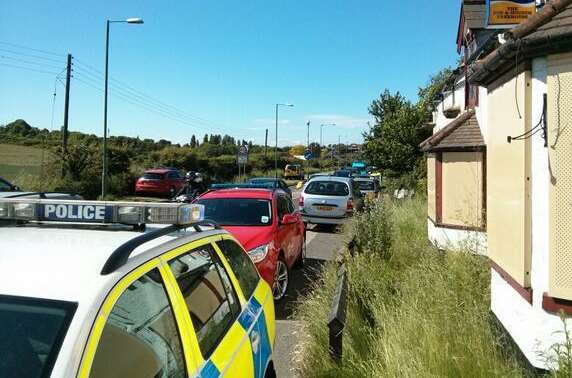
{"x":325,"y":228}
{"x":300,"y":283}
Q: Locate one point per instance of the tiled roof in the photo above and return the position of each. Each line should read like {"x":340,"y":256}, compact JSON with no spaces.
{"x":560,"y":23}
{"x":549,"y":31}
{"x":462,"y":133}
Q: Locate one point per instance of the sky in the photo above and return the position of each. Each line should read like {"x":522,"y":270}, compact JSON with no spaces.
{"x":197,"y":67}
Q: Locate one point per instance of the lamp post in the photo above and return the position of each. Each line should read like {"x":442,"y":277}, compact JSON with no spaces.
{"x":322,"y":125}
{"x":104,"y":158}
{"x":276,"y":135}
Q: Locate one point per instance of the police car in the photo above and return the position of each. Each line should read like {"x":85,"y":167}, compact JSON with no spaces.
{"x":103,"y":289}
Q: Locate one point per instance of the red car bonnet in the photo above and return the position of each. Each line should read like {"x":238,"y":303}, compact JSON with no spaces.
{"x":251,"y":236}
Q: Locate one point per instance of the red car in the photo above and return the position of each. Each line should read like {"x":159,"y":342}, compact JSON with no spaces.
{"x":266,"y":224}
{"x":160,"y":181}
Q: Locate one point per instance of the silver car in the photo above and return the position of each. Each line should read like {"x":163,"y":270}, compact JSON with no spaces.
{"x":329,"y":199}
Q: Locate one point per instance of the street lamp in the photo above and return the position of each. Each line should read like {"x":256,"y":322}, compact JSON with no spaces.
{"x":104,"y":171}
{"x":276,"y":135}
{"x":322,"y":125}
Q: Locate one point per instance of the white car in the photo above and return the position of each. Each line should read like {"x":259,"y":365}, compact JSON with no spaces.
{"x":88,"y":290}
{"x":329,"y":199}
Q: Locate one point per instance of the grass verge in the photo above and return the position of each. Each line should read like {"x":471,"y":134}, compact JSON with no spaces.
{"x":412,"y":311}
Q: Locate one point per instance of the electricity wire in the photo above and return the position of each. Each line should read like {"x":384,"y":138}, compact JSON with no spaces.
{"x":31,"y":49}
{"x":28,"y":68}
{"x":143,"y":96}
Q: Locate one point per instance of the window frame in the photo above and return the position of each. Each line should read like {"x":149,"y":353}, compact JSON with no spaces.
{"x":230,"y":271}
{"x":439,"y":199}
{"x":69,"y":308}
{"x":216,"y":259}
{"x":172,"y":306}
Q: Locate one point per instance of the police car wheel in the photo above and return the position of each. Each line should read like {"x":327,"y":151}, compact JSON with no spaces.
{"x":281,"y":277}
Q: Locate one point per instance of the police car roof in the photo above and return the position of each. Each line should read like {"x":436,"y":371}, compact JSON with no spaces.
{"x":64,"y":263}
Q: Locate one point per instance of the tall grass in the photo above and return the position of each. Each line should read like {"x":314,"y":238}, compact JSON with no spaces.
{"x":412,"y":311}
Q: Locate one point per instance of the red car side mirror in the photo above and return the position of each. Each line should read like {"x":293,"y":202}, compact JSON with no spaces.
{"x":289,"y":219}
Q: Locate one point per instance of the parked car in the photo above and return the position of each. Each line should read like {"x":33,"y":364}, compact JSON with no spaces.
{"x":164,"y":182}
{"x":8,"y":190}
{"x":6,"y":186}
{"x":167,"y":302}
{"x":267,"y":225}
{"x":273,"y":182}
{"x":369,"y":187}
{"x":329,"y":200}
{"x":343,"y":173}
{"x":293,"y":172}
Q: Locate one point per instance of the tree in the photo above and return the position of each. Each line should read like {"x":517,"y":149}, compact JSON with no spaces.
{"x":297,"y":150}
{"x":193,"y":141}
{"x":205,"y":139}
{"x":392,"y":142}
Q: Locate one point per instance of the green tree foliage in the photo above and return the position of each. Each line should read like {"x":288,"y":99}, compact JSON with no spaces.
{"x":392,"y":142}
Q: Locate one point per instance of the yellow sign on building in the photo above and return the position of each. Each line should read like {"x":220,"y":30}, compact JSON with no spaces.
{"x":510,"y":12}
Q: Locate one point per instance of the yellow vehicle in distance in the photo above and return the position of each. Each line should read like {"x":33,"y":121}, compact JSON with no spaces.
{"x":293,"y":172}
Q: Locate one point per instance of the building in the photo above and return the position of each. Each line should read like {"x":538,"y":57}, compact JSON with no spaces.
{"x":527,"y":79}
{"x":456,"y":152}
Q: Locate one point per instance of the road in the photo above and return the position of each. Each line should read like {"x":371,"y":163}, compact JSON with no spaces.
{"x":322,"y":244}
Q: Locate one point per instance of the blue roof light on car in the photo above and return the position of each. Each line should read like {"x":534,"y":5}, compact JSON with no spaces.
{"x":100,"y":212}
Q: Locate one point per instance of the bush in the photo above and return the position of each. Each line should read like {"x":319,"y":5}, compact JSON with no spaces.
{"x":412,"y":310}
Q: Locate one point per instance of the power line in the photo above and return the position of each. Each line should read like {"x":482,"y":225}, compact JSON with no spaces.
{"x":29,"y":62}
{"x":140,"y":104}
{"x":143,"y":101}
{"x":95,"y":72}
{"x":28,"y":69}
{"x":30,"y":49}
{"x":32,"y":56}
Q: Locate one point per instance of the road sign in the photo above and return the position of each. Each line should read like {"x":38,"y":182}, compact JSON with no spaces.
{"x":242,"y":155}
{"x":308,"y":155}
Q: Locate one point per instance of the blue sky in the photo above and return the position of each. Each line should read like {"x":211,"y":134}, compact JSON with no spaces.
{"x":223,"y":63}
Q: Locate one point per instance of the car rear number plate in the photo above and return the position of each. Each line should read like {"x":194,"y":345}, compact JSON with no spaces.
{"x":324,"y":208}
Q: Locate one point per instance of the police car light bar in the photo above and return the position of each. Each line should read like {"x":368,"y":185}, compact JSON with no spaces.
{"x":100,"y":212}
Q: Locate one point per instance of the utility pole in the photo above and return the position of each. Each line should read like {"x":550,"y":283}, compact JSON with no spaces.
{"x":308,"y":136}
{"x":308,"y":147}
{"x":339,"y":152}
{"x":67,"y":105}
{"x":266,"y":143}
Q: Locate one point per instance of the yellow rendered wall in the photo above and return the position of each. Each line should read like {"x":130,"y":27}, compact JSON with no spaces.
{"x":431,"y":209}
{"x":559,"y":109}
{"x":463,"y":188}
{"x":508,"y":177}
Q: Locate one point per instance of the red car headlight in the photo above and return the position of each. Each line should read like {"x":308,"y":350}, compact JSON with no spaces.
{"x":259,"y":253}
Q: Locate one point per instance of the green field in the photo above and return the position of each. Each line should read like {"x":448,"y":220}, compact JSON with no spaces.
{"x":17,"y":160}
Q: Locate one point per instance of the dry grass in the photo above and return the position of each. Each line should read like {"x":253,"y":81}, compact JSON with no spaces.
{"x":413,"y":311}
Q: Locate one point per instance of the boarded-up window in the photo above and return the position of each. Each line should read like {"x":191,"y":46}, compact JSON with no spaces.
{"x":508,"y":174}
{"x":462,"y":189}
{"x":560,"y":152}
{"x":431,"y":209}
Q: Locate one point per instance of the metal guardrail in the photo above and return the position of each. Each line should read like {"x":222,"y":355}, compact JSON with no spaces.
{"x":337,"y":319}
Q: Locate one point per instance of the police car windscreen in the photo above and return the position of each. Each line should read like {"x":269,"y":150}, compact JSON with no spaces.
{"x":31,"y":333}
{"x":238,"y":211}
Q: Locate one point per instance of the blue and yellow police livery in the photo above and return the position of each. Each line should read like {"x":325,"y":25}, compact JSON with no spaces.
{"x":165,"y":302}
